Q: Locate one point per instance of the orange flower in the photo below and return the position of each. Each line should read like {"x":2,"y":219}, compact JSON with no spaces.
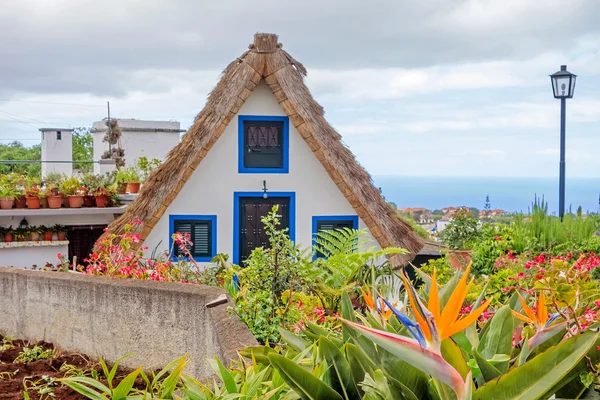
{"x":368,"y":298}
{"x":437,"y":324}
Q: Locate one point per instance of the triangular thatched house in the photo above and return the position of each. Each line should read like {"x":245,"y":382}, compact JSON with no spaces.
{"x":261,"y":140}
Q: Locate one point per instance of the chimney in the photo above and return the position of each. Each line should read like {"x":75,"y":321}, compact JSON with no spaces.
{"x":57,"y":145}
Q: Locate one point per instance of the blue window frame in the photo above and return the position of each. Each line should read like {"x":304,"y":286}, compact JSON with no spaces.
{"x":263,"y":144}
{"x":329,"y":222}
{"x":237,"y":217}
{"x":203,"y":234}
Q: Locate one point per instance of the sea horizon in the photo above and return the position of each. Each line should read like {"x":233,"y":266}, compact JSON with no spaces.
{"x":512,"y":194}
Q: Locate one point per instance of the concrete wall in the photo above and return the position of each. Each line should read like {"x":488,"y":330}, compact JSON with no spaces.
{"x":210,"y":189}
{"x":57,"y":150}
{"x":158,"y":321}
{"x":153,"y":139}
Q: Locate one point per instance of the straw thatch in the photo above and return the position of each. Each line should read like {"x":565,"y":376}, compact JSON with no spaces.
{"x":266,"y":60}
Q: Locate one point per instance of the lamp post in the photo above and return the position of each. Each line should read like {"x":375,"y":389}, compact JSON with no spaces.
{"x":563,"y":87}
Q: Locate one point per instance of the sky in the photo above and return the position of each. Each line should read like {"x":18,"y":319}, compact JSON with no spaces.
{"x":420,"y":88}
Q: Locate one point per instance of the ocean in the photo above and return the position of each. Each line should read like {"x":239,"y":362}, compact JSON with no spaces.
{"x":507,"y":193}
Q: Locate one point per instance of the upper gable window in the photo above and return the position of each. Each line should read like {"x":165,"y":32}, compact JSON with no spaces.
{"x":263,"y":144}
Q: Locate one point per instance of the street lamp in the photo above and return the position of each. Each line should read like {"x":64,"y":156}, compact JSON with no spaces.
{"x":563,"y":87}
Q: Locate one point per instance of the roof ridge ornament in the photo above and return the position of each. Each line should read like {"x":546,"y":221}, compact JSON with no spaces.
{"x":265,"y":43}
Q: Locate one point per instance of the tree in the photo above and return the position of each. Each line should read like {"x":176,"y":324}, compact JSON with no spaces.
{"x":16,"y":151}
{"x":487,"y":206}
{"x":83,"y":149}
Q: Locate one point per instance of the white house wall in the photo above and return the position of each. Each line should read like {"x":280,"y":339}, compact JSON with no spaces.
{"x":138,"y":143}
{"x":210,"y":189}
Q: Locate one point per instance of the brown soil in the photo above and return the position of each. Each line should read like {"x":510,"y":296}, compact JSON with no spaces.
{"x":12,"y":385}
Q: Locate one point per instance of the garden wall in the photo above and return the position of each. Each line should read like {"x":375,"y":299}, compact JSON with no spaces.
{"x":158,"y":321}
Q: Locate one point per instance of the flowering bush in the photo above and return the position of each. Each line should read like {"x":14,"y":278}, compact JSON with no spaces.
{"x":116,"y":257}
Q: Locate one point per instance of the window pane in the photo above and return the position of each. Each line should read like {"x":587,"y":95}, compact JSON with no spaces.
{"x":263,"y":144}
{"x":202,"y":239}
{"x":183,"y":227}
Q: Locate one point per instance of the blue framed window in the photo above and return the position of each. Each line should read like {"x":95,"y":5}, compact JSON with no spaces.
{"x":331,"y":222}
{"x":263,"y":144}
{"x":240,"y":227}
{"x":203,"y":234}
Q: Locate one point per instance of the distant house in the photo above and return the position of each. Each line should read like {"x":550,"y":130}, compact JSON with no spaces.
{"x":260,"y":141}
{"x":442,"y":223}
{"x":425,"y":219}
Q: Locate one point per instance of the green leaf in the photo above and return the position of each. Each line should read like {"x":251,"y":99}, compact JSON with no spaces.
{"x":347,"y":313}
{"x":452,"y":353}
{"x":169,"y":384}
{"x":523,"y":354}
{"x":258,"y":353}
{"x":124,"y":387}
{"x":86,"y":381}
{"x":360,"y":364}
{"x":488,"y":371}
{"x":227,"y":378}
{"x":340,"y":368}
{"x":499,"y":358}
{"x":80,"y":388}
{"x":377,"y":387}
{"x":293,"y":341}
{"x":498,"y":338}
{"x":534,"y":378}
{"x":307,"y":386}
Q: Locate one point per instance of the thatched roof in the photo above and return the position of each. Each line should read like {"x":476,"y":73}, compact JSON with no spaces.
{"x":266,"y":60}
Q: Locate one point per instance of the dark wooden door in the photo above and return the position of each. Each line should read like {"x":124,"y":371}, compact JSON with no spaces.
{"x":82,"y":240}
{"x":252,"y":232}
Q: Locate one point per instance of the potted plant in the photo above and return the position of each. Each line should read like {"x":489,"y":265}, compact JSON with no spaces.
{"x":74,"y":191}
{"x":32,"y":196}
{"x":7,"y":196}
{"x":91,"y":182}
{"x":46,"y":233}
{"x":35,"y":233}
{"x":61,"y":232}
{"x":55,"y":199}
{"x":145,"y":166}
{"x":120,"y":181}
{"x":19,"y":234}
{"x":132,"y":177}
{"x":458,"y":236}
{"x":8,"y":234}
{"x":101,"y":194}
{"x":2,"y":232}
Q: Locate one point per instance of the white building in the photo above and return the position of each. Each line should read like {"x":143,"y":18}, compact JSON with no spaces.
{"x":153,"y":139}
{"x":261,"y":140}
{"x":57,"y":145}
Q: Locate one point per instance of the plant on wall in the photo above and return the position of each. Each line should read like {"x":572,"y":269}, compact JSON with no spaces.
{"x":113,"y":138}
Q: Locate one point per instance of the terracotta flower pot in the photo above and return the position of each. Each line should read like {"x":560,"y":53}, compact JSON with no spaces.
{"x":61,"y":236}
{"x":48,"y":236}
{"x":459,"y":259}
{"x":6,"y":203}
{"x":8,"y":237}
{"x":33,"y":202}
{"x":133,"y":187}
{"x":122,"y":188}
{"x":65,"y":199}
{"x":101,"y":201}
{"x":55,"y":201}
{"x":44,"y":202}
{"x":20,"y":202}
{"x":75,"y":201}
{"x":35,"y":236}
{"x":88,"y":201}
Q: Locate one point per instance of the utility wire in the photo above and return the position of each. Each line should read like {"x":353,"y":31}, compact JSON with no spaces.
{"x":16,"y":119}
{"x":13,"y":116}
{"x":51,"y":102}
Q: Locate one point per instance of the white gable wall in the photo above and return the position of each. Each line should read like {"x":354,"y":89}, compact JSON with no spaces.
{"x":210,"y":189}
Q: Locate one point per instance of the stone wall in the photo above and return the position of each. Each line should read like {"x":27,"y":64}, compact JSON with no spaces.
{"x":157,"y":321}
